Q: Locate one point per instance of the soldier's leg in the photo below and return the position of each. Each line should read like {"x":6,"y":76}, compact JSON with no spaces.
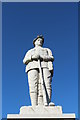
{"x":47,"y":82}
{"x":40,"y":95}
{"x":33,"y":77}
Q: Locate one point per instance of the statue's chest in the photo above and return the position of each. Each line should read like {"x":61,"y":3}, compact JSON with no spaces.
{"x":41,"y":51}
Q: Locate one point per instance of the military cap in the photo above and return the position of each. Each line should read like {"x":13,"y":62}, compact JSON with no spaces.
{"x":39,"y":36}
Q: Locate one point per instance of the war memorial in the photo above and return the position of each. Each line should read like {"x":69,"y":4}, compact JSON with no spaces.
{"x":39,"y":67}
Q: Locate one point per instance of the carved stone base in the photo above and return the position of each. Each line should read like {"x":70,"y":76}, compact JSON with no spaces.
{"x":41,"y":112}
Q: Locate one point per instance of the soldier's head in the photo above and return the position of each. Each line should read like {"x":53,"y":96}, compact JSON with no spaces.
{"x":38,"y":41}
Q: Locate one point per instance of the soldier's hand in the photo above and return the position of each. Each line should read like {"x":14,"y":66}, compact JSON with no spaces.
{"x":35,"y":57}
{"x":42,"y":57}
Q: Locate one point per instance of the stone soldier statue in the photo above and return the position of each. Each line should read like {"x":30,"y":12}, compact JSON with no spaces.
{"x":39,"y":68}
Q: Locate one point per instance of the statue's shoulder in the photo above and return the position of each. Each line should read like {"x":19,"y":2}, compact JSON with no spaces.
{"x":30,"y":50}
{"x":47,"y":49}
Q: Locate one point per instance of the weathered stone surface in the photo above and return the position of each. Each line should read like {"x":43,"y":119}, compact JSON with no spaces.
{"x":41,"y":112}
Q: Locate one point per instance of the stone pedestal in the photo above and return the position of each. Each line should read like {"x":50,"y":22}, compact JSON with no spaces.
{"x":41,"y":112}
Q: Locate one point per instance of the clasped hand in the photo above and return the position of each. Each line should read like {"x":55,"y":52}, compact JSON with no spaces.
{"x":36,"y":57}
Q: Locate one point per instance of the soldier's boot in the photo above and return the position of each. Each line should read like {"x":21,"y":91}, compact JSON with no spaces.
{"x":40,"y":100}
{"x":40,"y":95}
{"x":45,"y":98}
{"x":34,"y":98}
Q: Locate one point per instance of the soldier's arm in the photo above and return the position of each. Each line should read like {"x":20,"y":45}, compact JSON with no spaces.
{"x":48,"y":57}
{"x":27,"y":57}
{"x":50,"y":65}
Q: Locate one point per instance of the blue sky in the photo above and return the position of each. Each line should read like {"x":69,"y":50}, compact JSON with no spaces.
{"x":22,"y":22}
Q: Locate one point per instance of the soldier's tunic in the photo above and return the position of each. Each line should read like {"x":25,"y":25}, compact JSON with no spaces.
{"x":32,"y":68}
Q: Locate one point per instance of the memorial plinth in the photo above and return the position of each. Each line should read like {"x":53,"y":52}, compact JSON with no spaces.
{"x":41,"y":112}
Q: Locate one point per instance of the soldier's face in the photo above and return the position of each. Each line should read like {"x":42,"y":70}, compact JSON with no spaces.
{"x":38,"y":42}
